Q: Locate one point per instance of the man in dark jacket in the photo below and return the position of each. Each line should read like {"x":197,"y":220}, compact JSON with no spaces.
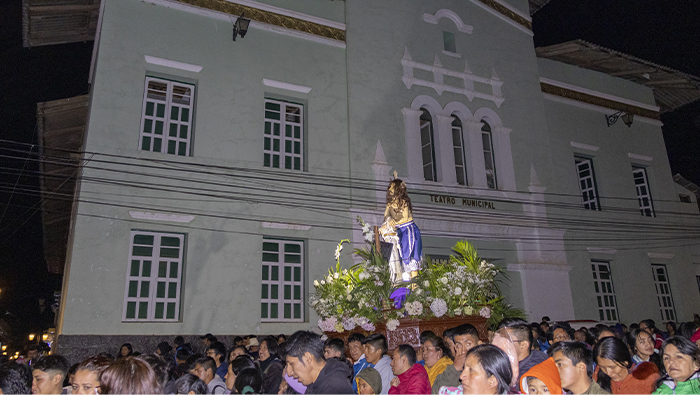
{"x":518,"y":331}
{"x":411,"y":377}
{"x":304,"y":356}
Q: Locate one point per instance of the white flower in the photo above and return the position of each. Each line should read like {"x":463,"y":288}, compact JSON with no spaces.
{"x":348,"y":323}
{"x":443,"y":280}
{"x":458,"y":291}
{"x":458,"y":311}
{"x":336,"y":275}
{"x":468,"y":310}
{"x":485,"y":312}
{"x":419,"y":291}
{"x":328,"y":325}
{"x":349,"y":297}
{"x":378,"y":283}
{"x":368,"y":326}
{"x":414,"y":308}
{"x":330,"y":280}
{"x":360,"y":320}
{"x":323,"y":282}
{"x":438,"y":307}
{"x":391,"y":325}
{"x":369,"y":236}
{"x":315,"y":283}
{"x":426,"y":283}
{"x":337,"y":251}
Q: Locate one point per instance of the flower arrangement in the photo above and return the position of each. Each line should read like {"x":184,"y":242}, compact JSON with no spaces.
{"x":361,"y":295}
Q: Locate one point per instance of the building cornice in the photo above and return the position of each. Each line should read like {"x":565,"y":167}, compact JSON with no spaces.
{"x":509,"y":12}
{"x":598,"y":100}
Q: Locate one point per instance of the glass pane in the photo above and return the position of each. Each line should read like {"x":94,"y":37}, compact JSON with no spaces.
{"x":142,"y":251}
{"x":290,"y":258}
{"x":174,"y":112}
{"x":157,"y":145}
{"x":149,"y":108}
{"x":297,"y":310}
{"x":288,"y":146}
{"x":160,"y":291}
{"x":160,"y":110}
{"x":297,"y":132}
{"x":297,"y":163}
{"x":171,"y":147}
{"x":268,"y":128}
{"x":263,"y":294}
{"x":169,"y":252}
{"x":275,"y":273}
{"x":287,"y":273}
{"x":173,"y":269}
{"x":274,"y":307}
{"x":162,"y":269}
{"x":143,"y":310}
{"x":297,"y":292}
{"x":274,"y":294}
{"x":263,"y":310}
{"x":276,"y":145}
{"x":448,"y":39}
{"x":182,"y":148}
{"x":146,"y":143}
{"x":272,"y":106}
{"x":145,"y":285}
{"x":147,"y":125}
{"x":159,"y":127}
{"x":131,"y":310}
{"x":270,"y":257}
{"x":297,"y":148}
{"x":185,"y":116}
{"x":276,"y":161}
{"x":287,"y":292}
{"x":183,"y":131}
{"x":287,"y":310}
{"x":288,"y":130}
{"x":272,"y":115}
{"x":159,"y":310}
{"x":171,"y":311}
{"x":276,"y":129}
{"x":274,"y":247}
{"x":135,"y":268}
{"x":267,"y":144}
{"x":133,"y":287}
{"x":297,"y":274}
{"x":146,"y":271}
{"x":173,"y":130}
{"x":182,"y":94}
{"x":172,"y":290}
{"x":266,"y":160}
{"x":296,"y":248}
{"x":170,"y":241}
{"x":265,"y":272}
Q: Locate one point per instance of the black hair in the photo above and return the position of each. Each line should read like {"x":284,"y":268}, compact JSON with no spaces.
{"x":272,"y":345}
{"x":687,"y":329}
{"x":560,"y":325}
{"x":577,"y":352}
{"x":495,"y":363}
{"x":378,"y":341}
{"x":615,"y":350}
{"x":160,"y":368}
{"x":424,"y":335}
{"x":15,"y":378}
{"x":545,"y":318}
{"x":519,"y":327}
{"x":190,"y":383}
{"x":242,"y":347}
{"x":248,"y":378}
{"x":649,"y":323}
{"x":236,"y":340}
{"x":685,"y":347}
{"x":335,"y":344}
{"x":283,"y":336}
{"x":241,"y":363}
{"x":179,"y":340}
{"x":219,"y":350}
{"x":447,"y":334}
{"x":438,"y":343}
{"x":72,"y":369}
{"x":205,"y":362}
{"x":55,"y":363}
{"x":407,"y":351}
{"x":356,"y":337}
{"x":632,"y":343}
{"x":673,"y":326}
{"x":33,"y":347}
{"x":464,"y":329}
{"x":182,"y":354}
{"x":302,"y":342}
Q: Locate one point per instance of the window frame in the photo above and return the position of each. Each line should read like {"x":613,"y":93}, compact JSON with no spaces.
{"x":493,"y":184}
{"x":266,"y":298}
{"x":646,"y":210}
{"x":152,"y":299}
{"x":268,"y":148}
{"x":459,"y":130}
{"x":605,"y":296}
{"x":447,"y":39}
{"x":591,"y":189}
{"x":166,"y":137}
{"x":666,"y":295}
{"x":431,"y":137}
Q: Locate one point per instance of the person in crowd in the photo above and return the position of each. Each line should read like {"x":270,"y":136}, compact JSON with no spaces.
{"x":236,"y":351}
{"x":487,"y":370}
{"x":88,"y":373}
{"x":574,"y":361}
{"x":271,"y":367}
{"x":253,"y":347}
{"x":48,"y":374}
{"x":130,"y":375}
{"x":436,"y":357}
{"x":15,"y":378}
{"x":642,"y":346}
{"x":70,"y":376}
{"x":376,"y":349}
{"x":357,"y":354}
{"x":281,"y":339}
{"x":560,"y":332}
{"x":603,"y":333}
{"x":617,"y":374}
{"x":304,"y":356}
{"x":189,"y":384}
{"x":369,"y":381}
{"x":205,"y":369}
{"x":235,"y":367}
{"x":544,"y":325}
{"x":542,"y":378}
{"x":671,"y":329}
{"x":164,"y":350}
{"x":687,"y":329}
{"x":518,"y":331}
{"x":411,"y":377}
{"x":217,"y":352}
{"x":249,"y":381}
{"x":696,"y":338}
{"x":162,"y":371}
{"x":580,"y":336}
{"x":421,"y":340}
{"x":650,"y":326}
{"x":334,"y":348}
{"x":447,"y":339}
{"x":33,"y":353}
{"x":464,"y":337}
{"x":125,"y":351}
{"x":540,"y":338}
{"x":208,"y":339}
{"x":681,"y":359}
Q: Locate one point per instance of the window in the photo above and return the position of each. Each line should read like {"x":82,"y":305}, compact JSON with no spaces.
{"x":282,"y":281}
{"x":427,"y":146}
{"x":166,"y":122}
{"x":643,"y":194}
{"x":605,"y":293}
{"x":697,"y":278}
{"x":663,"y":293}
{"x":284,"y":135}
{"x":154,"y":277}
{"x":489,"y":163}
{"x":586,"y":178}
{"x":458,"y":148}
{"x":448,"y":40}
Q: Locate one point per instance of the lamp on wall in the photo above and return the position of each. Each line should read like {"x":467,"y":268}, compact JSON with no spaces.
{"x":627,"y":118}
{"x":241,"y":26}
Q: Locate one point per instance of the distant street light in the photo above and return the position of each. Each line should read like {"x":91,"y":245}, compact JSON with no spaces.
{"x":31,"y":337}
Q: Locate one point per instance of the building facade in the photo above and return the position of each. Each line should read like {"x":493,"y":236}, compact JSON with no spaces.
{"x":218,"y":176}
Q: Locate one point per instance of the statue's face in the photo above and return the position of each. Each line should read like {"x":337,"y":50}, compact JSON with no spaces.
{"x":392,"y":189}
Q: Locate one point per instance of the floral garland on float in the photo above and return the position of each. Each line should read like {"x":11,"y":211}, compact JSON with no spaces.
{"x":365,"y":296}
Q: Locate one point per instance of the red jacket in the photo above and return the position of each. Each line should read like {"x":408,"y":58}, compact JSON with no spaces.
{"x":413,"y":381}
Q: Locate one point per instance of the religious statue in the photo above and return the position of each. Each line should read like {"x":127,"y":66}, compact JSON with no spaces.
{"x":400,"y":230}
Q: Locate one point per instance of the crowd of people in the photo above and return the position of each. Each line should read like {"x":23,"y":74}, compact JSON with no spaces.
{"x":519,"y":357}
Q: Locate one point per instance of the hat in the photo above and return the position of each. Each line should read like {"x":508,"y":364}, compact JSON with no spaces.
{"x":252,"y":342}
{"x":372,"y":377}
{"x":547,"y":372}
{"x":164,"y":347}
{"x":696,"y":336}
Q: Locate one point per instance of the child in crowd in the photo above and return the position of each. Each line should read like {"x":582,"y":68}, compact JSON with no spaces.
{"x":542,"y":378}
{"x":369,"y":381}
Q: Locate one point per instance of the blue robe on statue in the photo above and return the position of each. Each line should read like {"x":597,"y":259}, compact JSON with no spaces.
{"x":410,"y":246}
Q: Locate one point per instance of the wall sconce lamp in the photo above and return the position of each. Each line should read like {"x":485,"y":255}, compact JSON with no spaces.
{"x":627,"y":118}
{"x":31,"y":337}
{"x":241,"y":26}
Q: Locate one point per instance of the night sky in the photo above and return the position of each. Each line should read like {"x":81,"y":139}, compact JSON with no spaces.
{"x":660,"y":31}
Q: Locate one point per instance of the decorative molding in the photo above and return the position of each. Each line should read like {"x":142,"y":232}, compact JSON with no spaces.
{"x":660,"y":255}
{"x":603,"y":251}
{"x":453,"y":54}
{"x":445,"y":13}
{"x":596,"y":108}
{"x":286,"y":86}
{"x":283,"y":225}
{"x":161,"y":217}
{"x":289,"y":13}
{"x":598,"y":101}
{"x":328,"y":33}
{"x":540,"y":267}
{"x":507,"y":13}
{"x":643,"y":158}
{"x":439,"y":72}
{"x":599,"y":94}
{"x":585,"y":146}
{"x":173,"y":64}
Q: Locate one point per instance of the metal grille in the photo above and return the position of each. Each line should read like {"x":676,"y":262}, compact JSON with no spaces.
{"x":284,"y":135}
{"x":166,"y":122}
{"x":282,"y":281}
{"x":643,"y":195}
{"x":586,"y":178}
{"x":604,"y":291}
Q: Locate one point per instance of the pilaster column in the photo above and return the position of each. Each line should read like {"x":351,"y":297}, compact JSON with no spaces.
{"x":477,"y":175}
{"x":414,"y":156}
{"x":445,"y":150}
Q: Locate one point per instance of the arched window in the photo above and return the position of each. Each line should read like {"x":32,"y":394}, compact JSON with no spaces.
{"x":427,"y":143}
{"x":458,"y":149}
{"x":489,"y":162}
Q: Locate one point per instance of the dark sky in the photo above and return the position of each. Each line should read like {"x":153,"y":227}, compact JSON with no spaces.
{"x":661,"y":31}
